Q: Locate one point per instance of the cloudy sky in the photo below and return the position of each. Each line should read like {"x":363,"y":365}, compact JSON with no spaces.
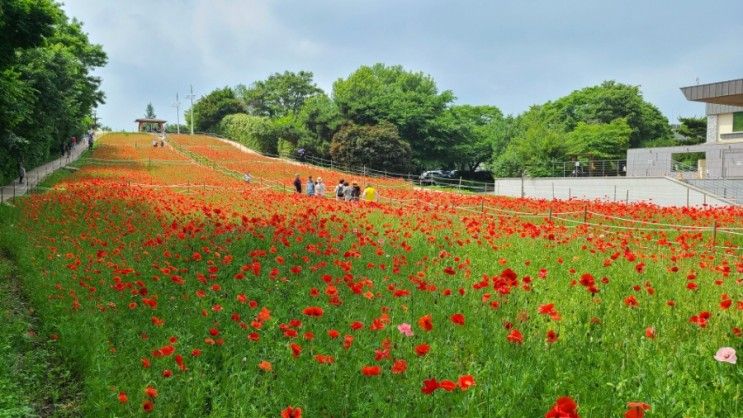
{"x":511,"y":54}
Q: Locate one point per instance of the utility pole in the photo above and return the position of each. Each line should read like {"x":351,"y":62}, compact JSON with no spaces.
{"x":177,"y":114}
{"x":191,"y":96}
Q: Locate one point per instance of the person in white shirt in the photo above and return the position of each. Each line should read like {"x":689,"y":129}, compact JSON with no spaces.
{"x":320,"y":188}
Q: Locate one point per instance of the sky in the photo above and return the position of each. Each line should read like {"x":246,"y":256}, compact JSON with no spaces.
{"x":511,"y":54}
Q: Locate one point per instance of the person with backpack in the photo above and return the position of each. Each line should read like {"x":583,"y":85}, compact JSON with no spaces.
{"x":339,"y":190}
{"x":310,"y":186}
{"x":297,"y":184}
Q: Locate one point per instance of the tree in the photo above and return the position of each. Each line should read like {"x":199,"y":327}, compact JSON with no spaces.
{"x":279,"y":95}
{"x":471,"y":133}
{"x":408,"y":100}
{"x":605,"y":103}
{"x":378,"y":146}
{"x":599,"y":141}
{"x":48,"y":92}
{"x":533,"y":149}
{"x":209,"y":110}
{"x":149,"y":112}
{"x":694,"y":129}
{"x":318,"y":120}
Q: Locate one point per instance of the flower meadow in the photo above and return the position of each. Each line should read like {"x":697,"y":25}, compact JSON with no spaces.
{"x":175,"y":289}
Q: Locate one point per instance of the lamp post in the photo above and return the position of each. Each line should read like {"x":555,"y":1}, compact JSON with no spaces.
{"x":191,"y":97}
{"x":177,"y":106}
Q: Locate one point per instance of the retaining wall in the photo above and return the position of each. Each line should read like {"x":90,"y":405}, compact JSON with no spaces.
{"x":661,"y":191}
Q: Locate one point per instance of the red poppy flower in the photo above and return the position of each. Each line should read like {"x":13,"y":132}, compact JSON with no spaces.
{"x":296,"y":349}
{"x":148,"y":406}
{"x":466,"y":381}
{"x":636,"y":409}
{"x":447,"y":385}
{"x":457,"y":319}
{"x":650,"y":332}
{"x":266,"y":366}
{"x":313,"y":311}
{"x":425,"y":322}
{"x":422,"y":349}
{"x":429,"y":386}
{"x":551,"y":337}
{"x":565,"y":407}
{"x":123,"y":398}
{"x":399,"y":366}
{"x":515,"y":337}
{"x":151,"y":392}
{"x":291,"y":412}
{"x":371,"y":370}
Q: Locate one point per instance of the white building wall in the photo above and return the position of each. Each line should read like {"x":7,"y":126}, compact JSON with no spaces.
{"x":658,"y":190}
{"x":724,"y":124}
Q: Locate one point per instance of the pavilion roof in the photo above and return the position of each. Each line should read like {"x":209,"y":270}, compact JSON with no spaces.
{"x":148,"y":120}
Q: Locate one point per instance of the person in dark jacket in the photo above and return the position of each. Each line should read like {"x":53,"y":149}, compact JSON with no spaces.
{"x":298,"y":184}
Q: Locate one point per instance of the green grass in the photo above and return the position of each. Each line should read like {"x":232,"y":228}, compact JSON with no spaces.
{"x":33,"y":378}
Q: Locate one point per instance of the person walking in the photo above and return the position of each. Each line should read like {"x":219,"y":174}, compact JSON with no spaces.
{"x":355,"y":192}
{"x":339,"y":190}
{"x":347,"y":190}
{"x":320,"y":188}
{"x":370,"y":193}
{"x":310,"y":186}
{"x":297,"y":184}
{"x":21,"y":173}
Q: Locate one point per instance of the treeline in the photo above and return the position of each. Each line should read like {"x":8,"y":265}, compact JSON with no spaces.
{"x":392,"y":119}
{"x":48,"y":93}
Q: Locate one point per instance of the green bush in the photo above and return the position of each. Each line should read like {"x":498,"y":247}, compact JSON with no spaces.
{"x":255,"y":132}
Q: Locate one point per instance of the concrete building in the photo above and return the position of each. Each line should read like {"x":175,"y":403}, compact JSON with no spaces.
{"x":723,"y":150}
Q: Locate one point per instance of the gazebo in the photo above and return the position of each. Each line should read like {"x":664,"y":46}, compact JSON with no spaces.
{"x":150,"y":125}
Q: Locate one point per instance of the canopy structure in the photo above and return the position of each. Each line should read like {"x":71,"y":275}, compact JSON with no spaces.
{"x":150,"y":125}
{"x":722,"y":93}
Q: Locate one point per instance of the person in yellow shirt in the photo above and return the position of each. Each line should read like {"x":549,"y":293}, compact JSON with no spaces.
{"x":370,"y":193}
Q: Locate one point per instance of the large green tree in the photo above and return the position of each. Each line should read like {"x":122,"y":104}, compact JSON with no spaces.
{"x":599,"y":141}
{"x":598,"y":122}
{"x":209,"y":110}
{"x":468,"y":134}
{"x":317,"y":121}
{"x":409,"y":100}
{"x":374,"y":146}
{"x":48,"y":92}
{"x":605,"y":103}
{"x":281,"y":94}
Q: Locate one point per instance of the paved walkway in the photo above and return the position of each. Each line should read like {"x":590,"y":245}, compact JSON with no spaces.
{"x":38,"y":174}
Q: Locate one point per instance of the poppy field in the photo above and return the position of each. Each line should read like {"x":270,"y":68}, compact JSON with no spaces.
{"x":176,"y":289}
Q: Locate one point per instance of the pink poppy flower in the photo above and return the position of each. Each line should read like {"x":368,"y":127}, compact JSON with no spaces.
{"x":406,"y":329}
{"x":726,"y":355}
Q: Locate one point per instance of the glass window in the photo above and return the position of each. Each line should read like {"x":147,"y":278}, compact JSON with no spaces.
{"x":738,"y":122}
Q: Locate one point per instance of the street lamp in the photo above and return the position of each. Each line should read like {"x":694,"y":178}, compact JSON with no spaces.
{"x":191,"y":97}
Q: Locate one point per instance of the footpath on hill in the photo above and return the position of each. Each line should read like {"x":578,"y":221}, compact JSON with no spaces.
{"x":38,"y":174}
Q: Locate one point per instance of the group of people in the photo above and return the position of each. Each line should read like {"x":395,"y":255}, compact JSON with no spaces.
{"x":158,"y":140}
{"x":343,"y":191}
